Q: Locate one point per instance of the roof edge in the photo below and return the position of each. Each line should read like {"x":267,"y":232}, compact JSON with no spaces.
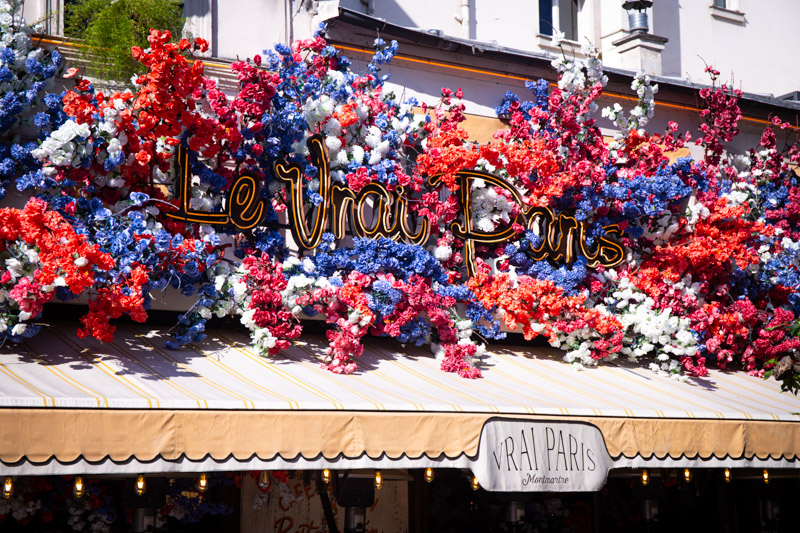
{"x":436,"y":39}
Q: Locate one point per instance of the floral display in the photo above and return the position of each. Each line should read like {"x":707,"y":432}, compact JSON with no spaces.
{"x":399,"y":224}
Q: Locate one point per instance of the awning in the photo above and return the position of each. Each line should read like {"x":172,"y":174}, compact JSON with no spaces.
{"x":69,"y":405}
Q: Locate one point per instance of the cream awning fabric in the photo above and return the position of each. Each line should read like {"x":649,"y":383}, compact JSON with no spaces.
{"x":66,"y":401}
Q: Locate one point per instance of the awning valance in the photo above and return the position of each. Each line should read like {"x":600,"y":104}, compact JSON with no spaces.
{"x":65,"y":401}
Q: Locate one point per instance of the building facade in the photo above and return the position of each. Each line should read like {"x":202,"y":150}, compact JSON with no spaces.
{"x":620,"y":442}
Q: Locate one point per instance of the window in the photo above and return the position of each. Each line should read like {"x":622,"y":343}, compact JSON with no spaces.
{"x":569,"y":19}
{"x":730,"y":5}
{"x":46,"y":14}
{"x":561,"y":15}
{"x":727,"y":11}
{"x":546,"y":17}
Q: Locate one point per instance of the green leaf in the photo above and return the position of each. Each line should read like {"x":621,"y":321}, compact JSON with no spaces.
{"x":110,"y":29}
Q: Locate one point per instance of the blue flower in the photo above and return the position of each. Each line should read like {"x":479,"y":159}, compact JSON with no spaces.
{"x":138,"y":198}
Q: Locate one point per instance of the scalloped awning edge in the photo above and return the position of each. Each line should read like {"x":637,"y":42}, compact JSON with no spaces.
{"x":37,"y":436}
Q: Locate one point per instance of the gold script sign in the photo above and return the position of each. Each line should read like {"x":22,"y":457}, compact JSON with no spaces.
{"x":375,"y":211}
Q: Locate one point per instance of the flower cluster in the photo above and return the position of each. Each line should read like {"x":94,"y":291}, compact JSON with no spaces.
{"x":272,"y":325}
{"x":40,"y":253}
{"x":709,"y":250}
{"x":26,"y":72}
{"x":389,"y":289}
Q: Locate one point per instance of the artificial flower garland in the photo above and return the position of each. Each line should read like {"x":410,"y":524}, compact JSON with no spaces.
{"x":709,"y":275}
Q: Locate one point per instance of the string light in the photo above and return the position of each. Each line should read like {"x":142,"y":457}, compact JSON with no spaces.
{"x":202,"y":483}
{"x":140,"y":485}
{"x":263,"y":480}
{"x":326,"y":476}
{"x":766,"y":476}
{"x":687,"y":475}
{"x":78,"y":487}
{"x":8,"y":488}
{"x":378,"y":480}
{"x":645,"y":477}
{"x":475,"y":484}
{"x":429,"y":474}
{"x":727,"y":474}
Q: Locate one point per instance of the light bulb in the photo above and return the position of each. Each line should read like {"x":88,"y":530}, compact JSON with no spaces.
{"x":326,"y":476}
{"x":645,"y":477}
{"x":140,"y":485}
{"x":766,"y":476}
{"x":263,"y":480}
{"x":727,"y":474}
{"x":8,"y":488}
{"x":429,"y":474}
{"x":687,"y":475}
{"x":78,"y":488}
{"x":475,"y":484}
{"x":378,"y":480}
{"x":202,"y":483}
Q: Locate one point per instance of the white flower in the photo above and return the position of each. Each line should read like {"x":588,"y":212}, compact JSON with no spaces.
{"x":374,"y":137}
{"x":15,"y":267}
{"x":332,"y":128}
{"x":114,"y":146}
{"x":443,"y":253}
{"x":334,"y":144}
{"x":489,"y":209}
{"x":340,"y":160}
{"x":337,"y":77}
{"x":464,"y":324}
{"x":239,"y":289}
{"x":374,"y":157}
{"x":358,"y":154}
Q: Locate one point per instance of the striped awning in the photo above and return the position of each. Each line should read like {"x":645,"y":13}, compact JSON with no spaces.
{"x":70,"y":405}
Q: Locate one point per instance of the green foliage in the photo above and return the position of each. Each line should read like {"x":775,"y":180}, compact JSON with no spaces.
{"x":110,"y":28}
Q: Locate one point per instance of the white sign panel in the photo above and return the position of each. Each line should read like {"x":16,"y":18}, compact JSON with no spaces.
{"x":541,"y":456}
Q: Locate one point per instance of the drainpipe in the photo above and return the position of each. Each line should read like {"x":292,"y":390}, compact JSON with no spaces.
{"x":288,"y":26}
{"x":464,"y":19}
{"x":369,"y":5}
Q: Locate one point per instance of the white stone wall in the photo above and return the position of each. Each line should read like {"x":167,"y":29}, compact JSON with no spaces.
{"x":749,"y":44}
{"x":244,"y":27}
{"x":754,"y":48}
